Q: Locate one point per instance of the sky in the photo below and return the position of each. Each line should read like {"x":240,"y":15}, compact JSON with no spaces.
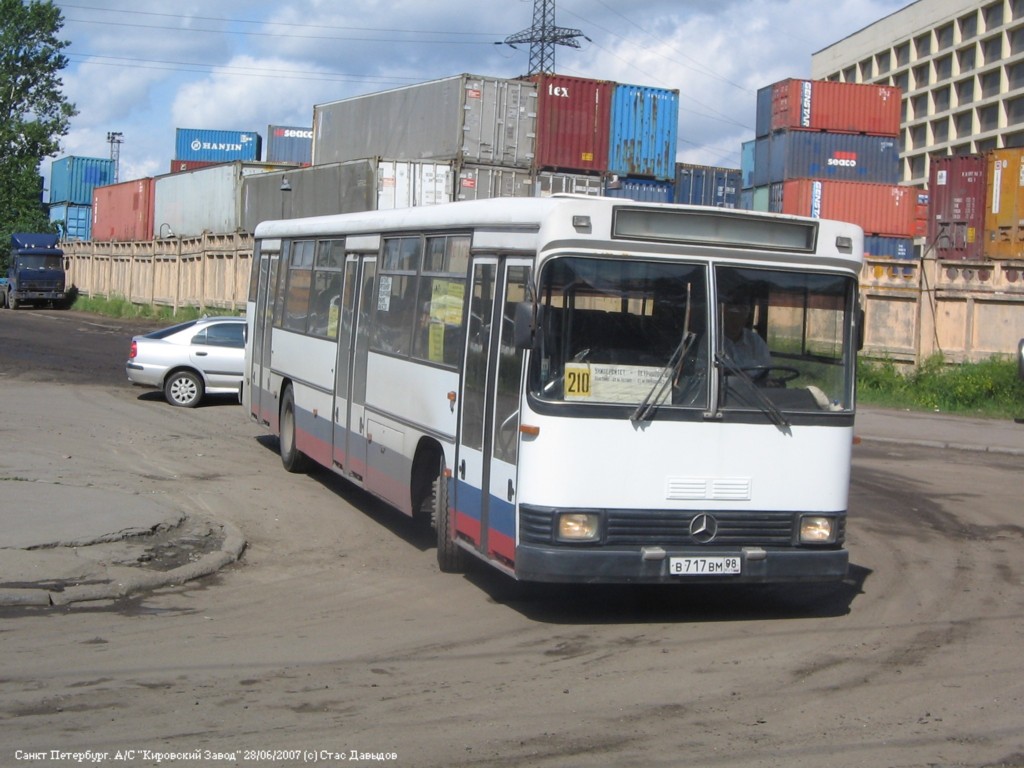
{"x":143,"y":68}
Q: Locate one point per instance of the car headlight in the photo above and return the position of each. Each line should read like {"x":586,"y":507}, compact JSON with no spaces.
{"x":579,"y":526}
{"x":817,"y":529}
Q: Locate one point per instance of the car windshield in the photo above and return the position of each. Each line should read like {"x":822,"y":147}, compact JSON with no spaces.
{"x":643,"y":335}
{"x":40,"y":261}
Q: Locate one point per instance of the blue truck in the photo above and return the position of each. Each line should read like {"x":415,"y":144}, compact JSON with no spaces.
{"x":35,"y":272}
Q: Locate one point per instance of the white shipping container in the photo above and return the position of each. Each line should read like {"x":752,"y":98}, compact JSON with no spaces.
{"x":466,"y":118}
{"x":481,"y":182}
{"x":550,"y":183}
{"x":406,"y":184}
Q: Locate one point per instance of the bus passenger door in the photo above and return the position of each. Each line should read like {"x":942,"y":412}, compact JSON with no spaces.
{"x":262,"y":404}
{"x":485,"y":471}
{"x":349,"y":450}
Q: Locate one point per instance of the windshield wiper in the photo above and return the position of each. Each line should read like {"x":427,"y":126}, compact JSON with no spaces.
{"x":777,"y":417}
{"x":665,"y":379}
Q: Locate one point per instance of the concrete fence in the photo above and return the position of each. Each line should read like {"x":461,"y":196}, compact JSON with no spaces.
{"x":966,"y":311}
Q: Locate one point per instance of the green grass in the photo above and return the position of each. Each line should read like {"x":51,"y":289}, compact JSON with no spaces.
{"x":121,"y":308}
{"x":988,"y":389}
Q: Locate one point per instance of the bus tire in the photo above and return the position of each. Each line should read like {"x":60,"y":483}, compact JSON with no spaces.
{"x":450,"y":557}
{"x":292,"y":458}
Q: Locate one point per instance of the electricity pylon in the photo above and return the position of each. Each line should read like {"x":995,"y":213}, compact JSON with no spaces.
{"x":543,"y":36}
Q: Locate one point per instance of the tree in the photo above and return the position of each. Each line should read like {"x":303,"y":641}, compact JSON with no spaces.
{"x":34,"y":114}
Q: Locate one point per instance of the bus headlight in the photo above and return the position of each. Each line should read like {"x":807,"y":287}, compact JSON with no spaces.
{"x":817,"y":529}
{"x":579,"y":526}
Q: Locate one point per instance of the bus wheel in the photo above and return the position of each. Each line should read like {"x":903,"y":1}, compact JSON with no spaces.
{"x":293,"y":459}
{"x":450,"y":557}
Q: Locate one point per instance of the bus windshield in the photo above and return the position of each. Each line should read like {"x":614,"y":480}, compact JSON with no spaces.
{"x":643,"y":334}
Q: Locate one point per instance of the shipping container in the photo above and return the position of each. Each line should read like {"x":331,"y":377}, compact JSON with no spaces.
{"x":819,"y":155}
{"x":177,"y":166}
{"x":956,"y":207}
{"x":217,"y":146}
{"x":72,"y":179}
{"x":825,"y":105}
{"x":1004,"y":214}
{"x":879,"y":209}
{"x":466,"y":118}
{"x":480,"y":182}
{"x":761,"y":199}
{"x":889,"y":247}
{"x":644,"y":127}
{"x":207,"y":199}
{"x":318,"y":190}
{"x":289,"y":144}
{"x":547,"y":183}
{"x":123,"y":212}
{"x":707,"y":185}
{"x":640,"y":190}
{"x":747,"y":149}
{"x":74,"y":220}
{"x":573,"y":123}
{"x":747,"y":199}
{"x":405,"y":183}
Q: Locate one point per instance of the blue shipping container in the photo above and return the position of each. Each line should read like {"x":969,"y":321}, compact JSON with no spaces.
{"x":75,"y":220}
{"x":747,"y":149}
{"x":289,"y":144}
{"x":640,"y":190}
{"x":707,"y":185}
{"x":72,"y":179}
{"x":645,"y":123}
{"x":217,"y":146}
{"x":763,"y":117}
{"x":889,"y":247}
{"x":820,"y":155}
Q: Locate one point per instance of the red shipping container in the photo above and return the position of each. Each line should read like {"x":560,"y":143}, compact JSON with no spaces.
{"x":179,"y":166}
{"x":824,"y":105}
{"x":879,"y":209}
{"x":573,"y":123}
{"x":123,"y":212}
{"x":956,"y":206}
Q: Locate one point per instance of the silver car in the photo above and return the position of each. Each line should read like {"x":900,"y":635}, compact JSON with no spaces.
{"x":190,"y":360}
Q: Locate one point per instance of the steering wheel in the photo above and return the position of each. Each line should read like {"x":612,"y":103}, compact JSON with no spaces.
{"x":764,"y":373}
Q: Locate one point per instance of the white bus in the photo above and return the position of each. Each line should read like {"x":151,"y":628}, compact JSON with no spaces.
{"x":572,"y":389}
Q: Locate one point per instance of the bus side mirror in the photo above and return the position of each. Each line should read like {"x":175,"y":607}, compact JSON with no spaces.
{"x":525,"y":324}
{"x":1020,"y":359}
{"x":859,"y":330}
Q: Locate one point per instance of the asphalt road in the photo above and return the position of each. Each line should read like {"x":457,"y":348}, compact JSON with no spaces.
{"x":335,"y":640}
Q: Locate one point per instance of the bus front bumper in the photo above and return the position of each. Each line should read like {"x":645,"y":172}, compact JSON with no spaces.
{"x":653,"y":565}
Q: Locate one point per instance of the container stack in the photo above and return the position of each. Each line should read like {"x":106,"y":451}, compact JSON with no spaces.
{"x":1004,"y":210}
{"x":831,"y":150}
{"x":543,"y":135}
{"x":72,"y":181}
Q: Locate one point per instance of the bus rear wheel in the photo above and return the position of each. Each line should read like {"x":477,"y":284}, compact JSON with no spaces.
{"x":292,"y":458}
{"x":450,"y":557}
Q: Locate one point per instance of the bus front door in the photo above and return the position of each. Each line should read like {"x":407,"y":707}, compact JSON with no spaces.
{"x":349,"y":449}
{"x":262,"y":403}
{"x":485,"y":472}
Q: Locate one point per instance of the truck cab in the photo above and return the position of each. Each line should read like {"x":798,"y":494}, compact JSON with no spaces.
{"x":35,"y":272}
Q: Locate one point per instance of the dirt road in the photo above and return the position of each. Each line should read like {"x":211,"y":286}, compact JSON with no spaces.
{"x":336,"y":638}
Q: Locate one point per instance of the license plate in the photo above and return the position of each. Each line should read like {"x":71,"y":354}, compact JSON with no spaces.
{"x":703,"y":566}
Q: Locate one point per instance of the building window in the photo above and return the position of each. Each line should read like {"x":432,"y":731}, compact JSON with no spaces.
{"x":944,"y":37}
{"x":965,"y":91}
{"x":1016,"y":9}
{"x":990,"y":83}
{"x":940,"y":99}
{"x":919,"y":106}
{"x":883,"y":62}
{"x":918,"y":137}
{"x":966,"y":58}
{"x":1016,"y":40}
{"x":902,"y":54}
{"x":944,"y":68}
{"x":902,"y":81}
{"x":922,"y":75}
{"x":917,"y":164}
{"x":963,"y":123}
{"x":968,"y":26}
{"x":866,"y":70}
{"x":988,"y":118}
{"x":850,"y":75}
{"x":992,"y":49}
{"x":940,"y":130}
{"x":1014,"y":111}
{"x":923,"y":45}
{"x":993,"y":15}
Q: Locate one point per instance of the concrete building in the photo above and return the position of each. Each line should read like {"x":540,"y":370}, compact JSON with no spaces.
{"x":960,"y":66}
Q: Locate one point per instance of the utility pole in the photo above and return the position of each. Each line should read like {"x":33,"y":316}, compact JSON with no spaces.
{"x":543,"y":36}
{"x":115,"y":139}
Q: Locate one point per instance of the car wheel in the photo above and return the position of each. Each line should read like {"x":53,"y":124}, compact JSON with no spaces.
{"x":183,"y":389}
{"x":450,"y":556}
{"x":292,"y":458}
